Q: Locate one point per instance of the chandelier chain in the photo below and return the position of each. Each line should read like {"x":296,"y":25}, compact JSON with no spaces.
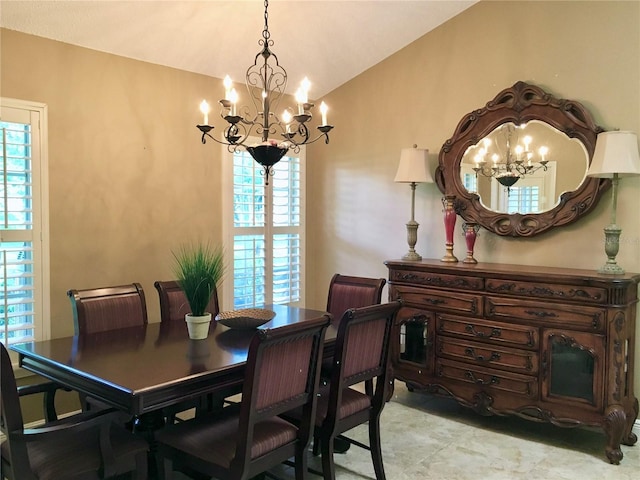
{"x":265,"y":33}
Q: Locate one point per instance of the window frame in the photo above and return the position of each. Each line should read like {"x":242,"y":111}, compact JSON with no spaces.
{"x":227,"y":297}
{"x":38,"y":118}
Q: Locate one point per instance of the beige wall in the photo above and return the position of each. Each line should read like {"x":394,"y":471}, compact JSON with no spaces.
{"x":129,"y":179}
{"x":358,"y":215}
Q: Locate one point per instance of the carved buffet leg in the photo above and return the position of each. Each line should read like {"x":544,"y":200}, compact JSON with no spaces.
{"x":614,"y":425}
{"x":630,"y":438}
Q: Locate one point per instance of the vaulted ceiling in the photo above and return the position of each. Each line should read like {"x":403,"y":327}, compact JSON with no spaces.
{"x":329,"y":41}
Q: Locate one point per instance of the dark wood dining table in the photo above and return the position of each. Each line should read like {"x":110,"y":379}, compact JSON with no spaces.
{"x":144,"y":369}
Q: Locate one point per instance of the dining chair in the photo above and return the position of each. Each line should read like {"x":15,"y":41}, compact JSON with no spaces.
{"x":347,"y":292}
{"x":173,"y":301}
{"x":81,"y":446}
{"x":173,"y":308}
{"x":243,"y":440}
{"x":97,"y":310}
{"x":361,"y":354}
{"x":107,"y":308}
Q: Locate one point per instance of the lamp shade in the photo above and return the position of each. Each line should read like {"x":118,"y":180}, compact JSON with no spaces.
{"x":616,"y":152}
{"x":413,"y":166}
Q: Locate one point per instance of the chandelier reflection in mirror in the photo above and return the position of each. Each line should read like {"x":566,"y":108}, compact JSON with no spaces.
{"x":512,"y":160}
{"x":266,"y":82}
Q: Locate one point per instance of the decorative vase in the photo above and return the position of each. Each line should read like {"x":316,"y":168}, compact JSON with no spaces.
{"x":449,"y":226}
{"x":198,"y":325}
{"x":470,"y":232}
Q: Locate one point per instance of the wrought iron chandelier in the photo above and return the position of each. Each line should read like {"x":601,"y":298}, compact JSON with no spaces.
{"x":266,"y":82}
{"x":510,"y":165}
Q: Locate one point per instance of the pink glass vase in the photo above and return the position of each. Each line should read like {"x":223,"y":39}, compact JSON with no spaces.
{"x":470,"y":232}
{"x":449,"y":226}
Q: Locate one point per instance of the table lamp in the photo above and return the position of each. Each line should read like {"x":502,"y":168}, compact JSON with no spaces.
{"x":413,"y":169}
{"x":616,"y":155}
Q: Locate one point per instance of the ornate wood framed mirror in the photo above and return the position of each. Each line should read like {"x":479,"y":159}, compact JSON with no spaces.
{"x":517,"y":167}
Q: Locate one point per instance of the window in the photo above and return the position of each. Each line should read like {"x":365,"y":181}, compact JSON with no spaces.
{"x":469,"y":178}
{"x":264,"y":232}
{"x":533,"y":193}
{"x":24,"y":305}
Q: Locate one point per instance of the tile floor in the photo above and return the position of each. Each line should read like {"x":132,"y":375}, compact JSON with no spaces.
{"x":431,"y":438}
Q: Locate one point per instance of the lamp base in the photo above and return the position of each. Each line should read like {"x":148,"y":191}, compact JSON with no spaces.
{"x":412,"y":257}
{"x":611,"y":248}
{"x":412,"y":238}
{"x":611,"y":269}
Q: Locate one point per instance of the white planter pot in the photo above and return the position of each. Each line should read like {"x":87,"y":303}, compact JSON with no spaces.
{"x":198,"y":326}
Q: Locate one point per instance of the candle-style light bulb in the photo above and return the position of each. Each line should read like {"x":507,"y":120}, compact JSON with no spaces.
{"x":519,"y":151}
{"x":204,"y":108}
{"x":286,"y":118}
{"x":305,"y":86}
{"x":323,"y":110}
{"x":527,"y":141}
{"x":543,"y":152}
{"x":227,"y":87}
{"x":233,"y":98}
{"x":300,"y":100}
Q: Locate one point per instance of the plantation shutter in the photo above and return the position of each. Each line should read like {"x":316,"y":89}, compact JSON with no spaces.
{"x":267,"y":232}
{"x":21,"y":232}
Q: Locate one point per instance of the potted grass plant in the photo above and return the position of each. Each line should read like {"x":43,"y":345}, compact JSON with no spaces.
{"x":199,"y":268}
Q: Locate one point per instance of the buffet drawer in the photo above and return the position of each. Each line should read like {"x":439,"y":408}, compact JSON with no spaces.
{"x":546,"y":314}
{"x":506,"y":334}
{"x":533,"y":290}
{"x":522,"y":361}
{"x":432,"y":299}
{"x":441,"y":280}
{"x":488,"y":378}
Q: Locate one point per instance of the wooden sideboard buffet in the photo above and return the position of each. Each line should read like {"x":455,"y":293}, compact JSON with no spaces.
{"x":546,"y":344}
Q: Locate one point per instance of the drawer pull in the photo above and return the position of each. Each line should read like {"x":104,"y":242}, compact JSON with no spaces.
{"x":480,"y":358}
{"x":495,"y":332}
{"x":540,"y":314}
{"x":434,"y":301}
{"x":493,"y":381}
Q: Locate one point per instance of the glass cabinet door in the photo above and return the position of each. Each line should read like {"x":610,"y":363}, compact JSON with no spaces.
{"x":573,"y":367}
{"x":414,"y":345}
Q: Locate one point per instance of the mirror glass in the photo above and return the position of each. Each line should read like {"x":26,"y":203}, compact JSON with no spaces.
{"x":523,"y":168}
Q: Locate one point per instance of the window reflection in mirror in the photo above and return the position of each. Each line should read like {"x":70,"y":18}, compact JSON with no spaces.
{"x":538,"y":186}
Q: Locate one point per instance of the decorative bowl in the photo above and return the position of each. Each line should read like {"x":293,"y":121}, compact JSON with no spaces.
{"x":246,"y":318}
{"x":267,"y":155}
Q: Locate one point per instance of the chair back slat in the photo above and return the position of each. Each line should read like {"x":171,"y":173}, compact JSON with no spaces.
{"x":103,"y":309}
{"x":362,"y":348}
{"x":347,"y":292}
{"x":365,"y":348}
{"x":284,"y":372}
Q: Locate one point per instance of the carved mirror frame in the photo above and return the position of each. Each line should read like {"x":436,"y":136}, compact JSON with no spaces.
{"x":519,"y":104}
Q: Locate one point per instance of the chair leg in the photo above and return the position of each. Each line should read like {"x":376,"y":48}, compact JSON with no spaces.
{"x":376,"y":450}
{"x":165,"y":468}
{"x":301,"y":464}
{"x":328,"y":467}
{"x":142,"y":467}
